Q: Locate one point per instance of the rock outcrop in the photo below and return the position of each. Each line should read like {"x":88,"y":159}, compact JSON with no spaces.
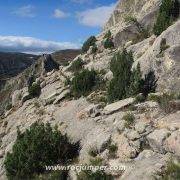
{"x":146,"y":139}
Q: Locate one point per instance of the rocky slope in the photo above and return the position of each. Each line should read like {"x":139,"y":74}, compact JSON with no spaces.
{"x":154,"y":138}
{"x":36,"y":68}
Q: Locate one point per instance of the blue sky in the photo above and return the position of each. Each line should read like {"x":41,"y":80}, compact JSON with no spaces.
{"x":37,"y":26}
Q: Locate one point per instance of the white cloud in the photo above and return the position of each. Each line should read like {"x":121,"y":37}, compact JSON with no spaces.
{"x":25,"y":11}
{"x":96,"y":17}
{"x":32,"y":45}
{"x":59,"y":14}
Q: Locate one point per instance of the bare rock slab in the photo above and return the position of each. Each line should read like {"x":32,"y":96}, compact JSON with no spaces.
{"x":114,"y":107}
{"x":157,"y":138}
{"x":172,"y":143}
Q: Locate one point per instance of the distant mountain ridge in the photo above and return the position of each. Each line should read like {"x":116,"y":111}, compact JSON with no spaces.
{"x":12,"y":64}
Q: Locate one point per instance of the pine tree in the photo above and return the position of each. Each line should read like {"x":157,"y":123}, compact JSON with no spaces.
{"x":89,"y":42}
{"x":121,"y":68}
{"x":169,"y":11}
{"x":149,"y":84}
{"x":136,"y":82}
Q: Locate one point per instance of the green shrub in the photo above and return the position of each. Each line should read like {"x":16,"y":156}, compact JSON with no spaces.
{"x":94,"y":175}
{"x":172,"y":172}
{"x":94,"y":49}
{"x":93,"y":152}
{"x":108,"y":43}
{"x":169,"y":11}
{"x":143,"y":32}
{"x":112,"y":149}
{"x":89,"y":42}
{"x":129,"y":118}
{"x":83,"y":83}
{"x":37,"y":147}
{"x":34,"y":90}
{"x":108,"y":35}
{"x":164,"y":102}
{"x":153,"y":97}
{"x":140,"y":98}
{"x":177,"y":96}
{"x":149,"y":84}
{"x":8,"y":107}
{"x":77,"y":65}
{"x":54,"y":175}
{"x":67,"y":81}
{"x":130,"y":19}
{"x":121,"y":68}
{"x":136,"y":82}
{"x":163,"y":47}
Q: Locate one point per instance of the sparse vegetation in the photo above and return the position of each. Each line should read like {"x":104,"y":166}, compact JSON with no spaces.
{"x":140,"y":98}
{"x":37,"y":147}
{"x":83,"y":83}
{"x":77,"y":65}
{"x":93,"y":152}
{"x":96,"y":174}
{"x":153,"y":97}
{"x":163,"y":47}
{"x":143,"y":32}
{"x":164,"y":102}
{"x":129,"y":118}
{"x":168,"y":12}
{"x":112,"y":150}
{"x":172,"y":172}
{"x":89,"y":42}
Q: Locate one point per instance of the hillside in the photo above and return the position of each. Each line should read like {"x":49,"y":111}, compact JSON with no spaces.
{"x":12,"y":64}
{"x":117,"y":103}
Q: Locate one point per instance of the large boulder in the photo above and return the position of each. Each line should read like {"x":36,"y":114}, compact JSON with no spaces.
{"x":16,"y":97}
{"x":156,"y":139}
{"x":172,"y":143}
{"x":114,"y":107}
{"x":147,"y":166}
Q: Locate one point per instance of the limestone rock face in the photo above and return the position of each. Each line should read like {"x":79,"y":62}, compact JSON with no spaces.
{"x":144,"y":10}
{"x":167,"y":64}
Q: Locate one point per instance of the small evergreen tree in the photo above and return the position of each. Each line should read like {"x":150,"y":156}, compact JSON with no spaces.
{"x":89,"y":42}
{"x":149,"y":84}
{"x":108,"y":35}
{"x":34,"y":90}
{"x":121,"y":68}
{"x":169,"y":11}
{"x":108,"y":43}
{"x":136,"y":81}
{"x":83,"y":82}
{"x":94,"y":49}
